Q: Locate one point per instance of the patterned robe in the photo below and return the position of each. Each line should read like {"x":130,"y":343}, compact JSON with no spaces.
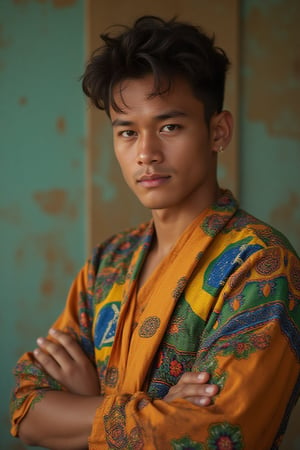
{"x":225,"y":300}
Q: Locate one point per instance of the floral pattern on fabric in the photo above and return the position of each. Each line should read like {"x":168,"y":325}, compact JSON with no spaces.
{"x":224,"y":436}
{"x":186,"y":443}
{"x":116,"y":255}
{"x":26,"y":371}
{"x":116,"y":434}
{"x":149,"y":327}
{"x":221,"y":437}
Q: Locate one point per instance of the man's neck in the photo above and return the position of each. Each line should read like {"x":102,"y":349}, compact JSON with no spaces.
{"x":170,"y":223}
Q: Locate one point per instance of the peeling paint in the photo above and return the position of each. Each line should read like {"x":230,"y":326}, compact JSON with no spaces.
{"x":55,"y":202}
{"x":61,"y":125}
{"x":54,"y":252}
{"x":273,"y":52}
{"x":52,"y":202}
{"x":42,"y":173}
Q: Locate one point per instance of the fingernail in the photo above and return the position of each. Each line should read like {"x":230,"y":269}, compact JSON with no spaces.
{"x":36,"y":351}
{"x":52,"y":331}
{"x":40,"y":341}
{"x":203,"y":402}
{"x":209,"y":389}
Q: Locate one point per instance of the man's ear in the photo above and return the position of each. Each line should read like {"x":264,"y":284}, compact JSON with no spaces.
{"x":221,"y":126}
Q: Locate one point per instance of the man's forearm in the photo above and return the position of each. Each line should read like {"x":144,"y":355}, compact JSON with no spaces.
{"x":60,"y":420}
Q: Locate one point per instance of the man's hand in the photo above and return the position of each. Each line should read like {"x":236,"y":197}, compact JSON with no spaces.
{"x":65,"y":361}
{"x":193,"y":387}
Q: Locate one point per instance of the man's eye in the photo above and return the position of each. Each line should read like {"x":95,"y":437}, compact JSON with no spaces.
{"x":170,"y":127}
{"x":127,"y":133}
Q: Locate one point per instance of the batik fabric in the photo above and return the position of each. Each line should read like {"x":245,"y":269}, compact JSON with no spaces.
{"x":226,"y":300}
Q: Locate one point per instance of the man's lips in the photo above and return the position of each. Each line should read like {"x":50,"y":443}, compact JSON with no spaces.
{"x":153,"y":176}
{"x":153,"y":180}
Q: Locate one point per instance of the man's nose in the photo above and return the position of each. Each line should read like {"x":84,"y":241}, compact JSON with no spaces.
{"x":149,"y":149}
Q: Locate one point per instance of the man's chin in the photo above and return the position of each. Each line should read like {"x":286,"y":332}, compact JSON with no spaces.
{"x":154,"y":206}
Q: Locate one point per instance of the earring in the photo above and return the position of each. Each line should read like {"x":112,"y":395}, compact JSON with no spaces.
{"x":221,"y":149}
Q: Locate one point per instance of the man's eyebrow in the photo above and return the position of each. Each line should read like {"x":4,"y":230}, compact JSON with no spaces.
{"x":171,"y":114}
{"x":121,"y":123}
{"x":164,"y":116}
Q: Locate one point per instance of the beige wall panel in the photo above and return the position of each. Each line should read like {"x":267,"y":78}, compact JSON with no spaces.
{"x":111,"y":206}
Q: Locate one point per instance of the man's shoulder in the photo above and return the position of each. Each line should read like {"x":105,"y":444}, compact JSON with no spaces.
{"x":245,"y":224}
{"x":122,"y":243}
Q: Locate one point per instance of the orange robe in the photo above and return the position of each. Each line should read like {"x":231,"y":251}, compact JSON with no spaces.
{"x":225,"y":300}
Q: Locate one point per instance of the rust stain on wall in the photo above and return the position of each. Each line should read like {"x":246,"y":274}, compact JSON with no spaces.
{"x":273,"y":58}
{"x":52,"y":202}
{"x":47,"y":286}
{"x":55,"y":202}
{"x":61,"y":125}
{"x":57,"y":263}
{"x":23,"y":101}
{"x":54,"y":252}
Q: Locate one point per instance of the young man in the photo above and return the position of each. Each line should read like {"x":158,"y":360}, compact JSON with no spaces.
{"x":184,"y":332}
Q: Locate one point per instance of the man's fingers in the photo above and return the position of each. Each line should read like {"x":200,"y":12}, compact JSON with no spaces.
{"x":46,"y":361}
{"x":62,"y":358}
{"x":69,"y":343}
{"x":195,"y":390}
{"x":193,"y":387}
{"x":200,"y":401}
{"x":194,"y":377}
{"x":55,"y":350}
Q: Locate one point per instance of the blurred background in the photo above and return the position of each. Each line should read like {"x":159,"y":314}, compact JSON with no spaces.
{"x":60,"y":188}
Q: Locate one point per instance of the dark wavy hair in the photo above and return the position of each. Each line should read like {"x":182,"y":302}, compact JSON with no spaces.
{"x":164,"y":49}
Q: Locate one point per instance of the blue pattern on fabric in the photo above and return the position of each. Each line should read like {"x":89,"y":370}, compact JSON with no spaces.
{"x":260,"y":316}
{"x":106,"y":325}
{"x":233,"y":256}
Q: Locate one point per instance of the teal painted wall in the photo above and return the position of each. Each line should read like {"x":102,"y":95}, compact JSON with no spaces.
{"x":270,"y":125}
{"x":42,"y":163}
{"x":270,"y":113}
{"x":42,"y":155}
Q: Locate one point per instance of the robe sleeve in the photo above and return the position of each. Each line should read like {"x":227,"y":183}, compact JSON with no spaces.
{"x":251,"y":347}
{"x":76,"y":319}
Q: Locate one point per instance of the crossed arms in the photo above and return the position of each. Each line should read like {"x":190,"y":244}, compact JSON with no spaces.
{"x":63,"y":419}
{"x":254,"y":351}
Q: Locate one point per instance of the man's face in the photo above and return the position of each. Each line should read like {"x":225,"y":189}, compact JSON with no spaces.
{"x":163,"y":145}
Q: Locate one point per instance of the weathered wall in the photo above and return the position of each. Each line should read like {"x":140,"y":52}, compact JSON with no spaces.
{"x":46,"y":220}
{"x":270,"y":113}
{"x":42,"y":163}
{"x":270,"y":124}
